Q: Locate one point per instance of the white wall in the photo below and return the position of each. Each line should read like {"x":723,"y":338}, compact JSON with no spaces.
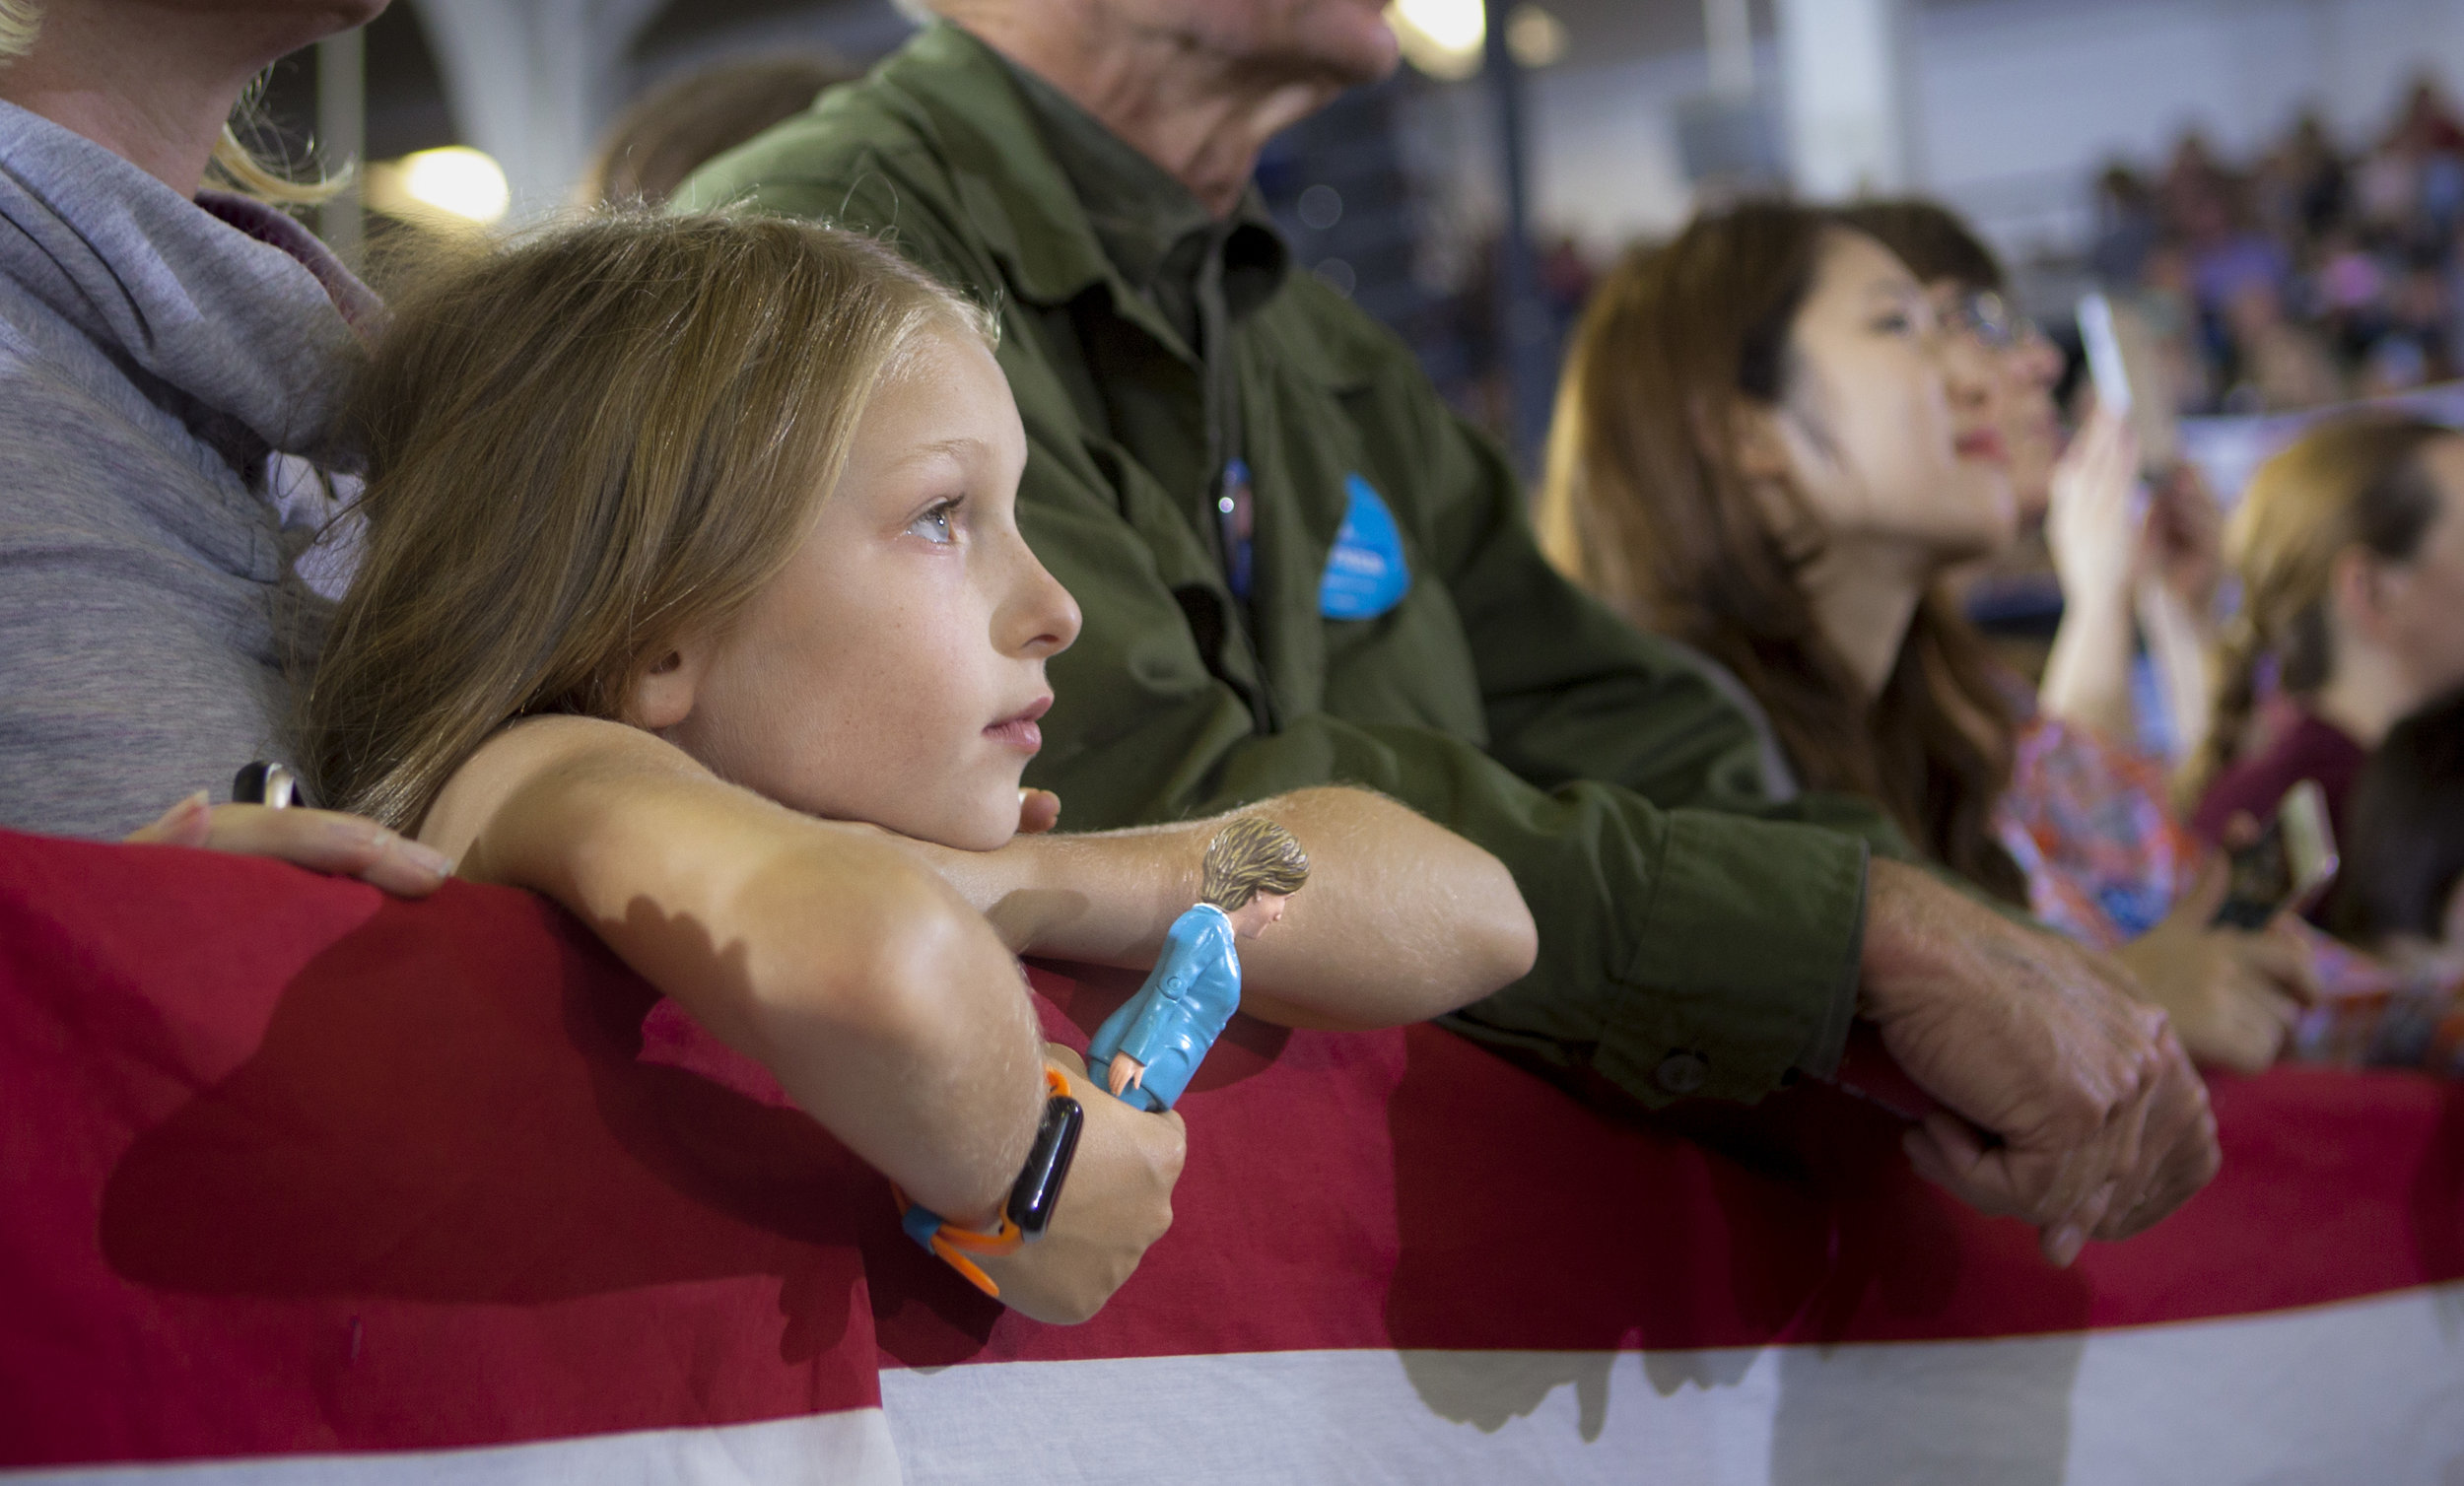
{"x":2020,"y":101}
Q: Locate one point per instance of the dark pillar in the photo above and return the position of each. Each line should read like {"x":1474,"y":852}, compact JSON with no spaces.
{"x":1526,"y":334}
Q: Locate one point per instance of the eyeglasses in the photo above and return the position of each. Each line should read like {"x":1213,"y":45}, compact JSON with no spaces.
{"x":1984,"y":314}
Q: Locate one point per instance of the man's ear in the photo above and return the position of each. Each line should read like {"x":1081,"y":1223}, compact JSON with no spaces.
{"x":664,"y":692}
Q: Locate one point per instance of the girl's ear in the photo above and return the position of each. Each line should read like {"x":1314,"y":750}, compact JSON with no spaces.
{"x":2358,"y":591}
{"x":664,"y":693}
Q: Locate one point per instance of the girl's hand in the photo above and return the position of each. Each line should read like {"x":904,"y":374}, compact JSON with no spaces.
{"x":2097,"y":543}
{"x":1039,"y":811}
{"x":2232,"y":996}
{"x":1117,"y":1201}
{"x":2185,"y":540}
{"x":322,"y":840}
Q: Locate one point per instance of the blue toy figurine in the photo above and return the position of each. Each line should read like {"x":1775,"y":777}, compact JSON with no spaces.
{"x":1155,"y":1040}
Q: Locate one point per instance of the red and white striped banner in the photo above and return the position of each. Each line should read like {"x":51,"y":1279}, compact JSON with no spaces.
{"x":299,"y":1182}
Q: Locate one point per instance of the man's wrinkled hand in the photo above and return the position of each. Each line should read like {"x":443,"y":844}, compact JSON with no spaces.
{"x":2066,"y":1102}
{"x":1114,"y":1204}
{"x":322,"y":840}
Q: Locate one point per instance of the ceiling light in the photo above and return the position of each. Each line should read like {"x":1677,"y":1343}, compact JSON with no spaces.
{"x":1535,"y":37}
{"x":455,"y":181}
{"x":1441,"y":38}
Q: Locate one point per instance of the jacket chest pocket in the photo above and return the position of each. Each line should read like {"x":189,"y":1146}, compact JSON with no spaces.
{"x":1410,"y":665}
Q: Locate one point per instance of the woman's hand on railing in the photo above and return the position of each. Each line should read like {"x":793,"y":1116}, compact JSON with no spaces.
{"x":321,"y":840}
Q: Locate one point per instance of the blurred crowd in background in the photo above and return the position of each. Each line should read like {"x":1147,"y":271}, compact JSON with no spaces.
{"x":2323,"y":270}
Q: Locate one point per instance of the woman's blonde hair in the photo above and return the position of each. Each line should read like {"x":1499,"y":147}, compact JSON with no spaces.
{"x":2356,"y":482}
{"x":581,"y":448}
{"x":1645,"y":503}
{"x":232,"y":164}
{"x":18,"y":21}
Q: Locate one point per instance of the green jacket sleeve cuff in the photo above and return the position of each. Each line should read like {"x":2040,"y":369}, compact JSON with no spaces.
{"x":1746,"y":963}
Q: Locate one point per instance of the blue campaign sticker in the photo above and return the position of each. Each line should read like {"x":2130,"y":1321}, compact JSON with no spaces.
{"x":1365,"y":574}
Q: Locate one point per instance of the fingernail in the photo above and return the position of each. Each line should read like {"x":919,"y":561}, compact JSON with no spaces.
{"x":2067,"y":1241}
{"x":425,"y":857}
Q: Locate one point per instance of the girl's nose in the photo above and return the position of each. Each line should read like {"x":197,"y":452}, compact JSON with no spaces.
{"x":1044,"y":619}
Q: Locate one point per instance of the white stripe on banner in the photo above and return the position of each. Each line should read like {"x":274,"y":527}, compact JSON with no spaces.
{"x":847,"y":1448}
{"x":2364,"y":1391}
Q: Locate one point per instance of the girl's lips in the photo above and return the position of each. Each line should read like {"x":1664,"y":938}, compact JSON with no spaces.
{"x":1018,"y":729}
{"x":1018,"y":733}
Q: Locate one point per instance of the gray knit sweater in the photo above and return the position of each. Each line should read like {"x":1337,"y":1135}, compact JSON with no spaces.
{"x":155,"y":353}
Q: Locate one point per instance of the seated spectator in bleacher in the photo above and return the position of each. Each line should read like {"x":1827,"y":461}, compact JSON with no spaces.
{"x":2279,"y":366}
{"x":749,"y":543}
{"x":2350,"y":550}
{"x":1769,"y":446}
{"x":684,"y":123}
{"x":1298,"y":566}
{"x":2316,"y":275}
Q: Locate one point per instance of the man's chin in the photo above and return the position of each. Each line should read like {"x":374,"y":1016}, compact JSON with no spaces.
{"x":1363,"y":58}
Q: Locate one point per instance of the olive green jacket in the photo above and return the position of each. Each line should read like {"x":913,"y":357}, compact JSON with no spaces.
{"x":1692,"y":940}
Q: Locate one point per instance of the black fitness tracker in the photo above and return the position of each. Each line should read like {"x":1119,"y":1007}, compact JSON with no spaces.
{"x":1038,"y":1188}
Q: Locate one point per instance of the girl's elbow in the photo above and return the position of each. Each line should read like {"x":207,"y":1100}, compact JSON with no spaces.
{"x":1502,"y":944}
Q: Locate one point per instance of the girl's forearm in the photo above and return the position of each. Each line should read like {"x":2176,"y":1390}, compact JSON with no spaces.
{"x":886,"y":1008}
{"x":2088,"y":673}
{"x":2178,"y":639}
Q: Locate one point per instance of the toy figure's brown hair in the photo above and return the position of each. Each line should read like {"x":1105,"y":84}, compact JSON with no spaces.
{"x":580,"y":449}
{"x":1250,"y":856}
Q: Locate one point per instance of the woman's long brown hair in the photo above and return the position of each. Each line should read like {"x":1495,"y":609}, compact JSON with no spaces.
{"x":1644,"y":502}
{"x":580,"y":449}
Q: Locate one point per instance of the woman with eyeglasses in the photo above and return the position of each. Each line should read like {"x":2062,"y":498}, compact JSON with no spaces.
{"x":2120,"y":561}
{"x":1771,"y":445}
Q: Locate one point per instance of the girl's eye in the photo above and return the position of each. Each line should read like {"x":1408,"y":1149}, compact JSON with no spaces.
{"x":937,"y":526}
{"x":1897,"y":322}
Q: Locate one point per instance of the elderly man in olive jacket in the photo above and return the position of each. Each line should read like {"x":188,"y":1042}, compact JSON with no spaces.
{"x":1298,"y":566}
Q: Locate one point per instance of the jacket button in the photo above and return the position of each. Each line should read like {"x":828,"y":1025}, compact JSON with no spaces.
{"x":1682,"y":1072}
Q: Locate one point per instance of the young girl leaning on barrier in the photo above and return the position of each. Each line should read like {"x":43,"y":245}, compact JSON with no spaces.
{"x":692,"y":595}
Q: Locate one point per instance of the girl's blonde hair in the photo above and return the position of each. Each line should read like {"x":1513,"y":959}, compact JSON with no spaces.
{"x":581,"y":448}
{"x":2357,"y":482}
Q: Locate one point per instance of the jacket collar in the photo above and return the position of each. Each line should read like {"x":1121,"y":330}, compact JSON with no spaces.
{"x":1015,"y":194}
